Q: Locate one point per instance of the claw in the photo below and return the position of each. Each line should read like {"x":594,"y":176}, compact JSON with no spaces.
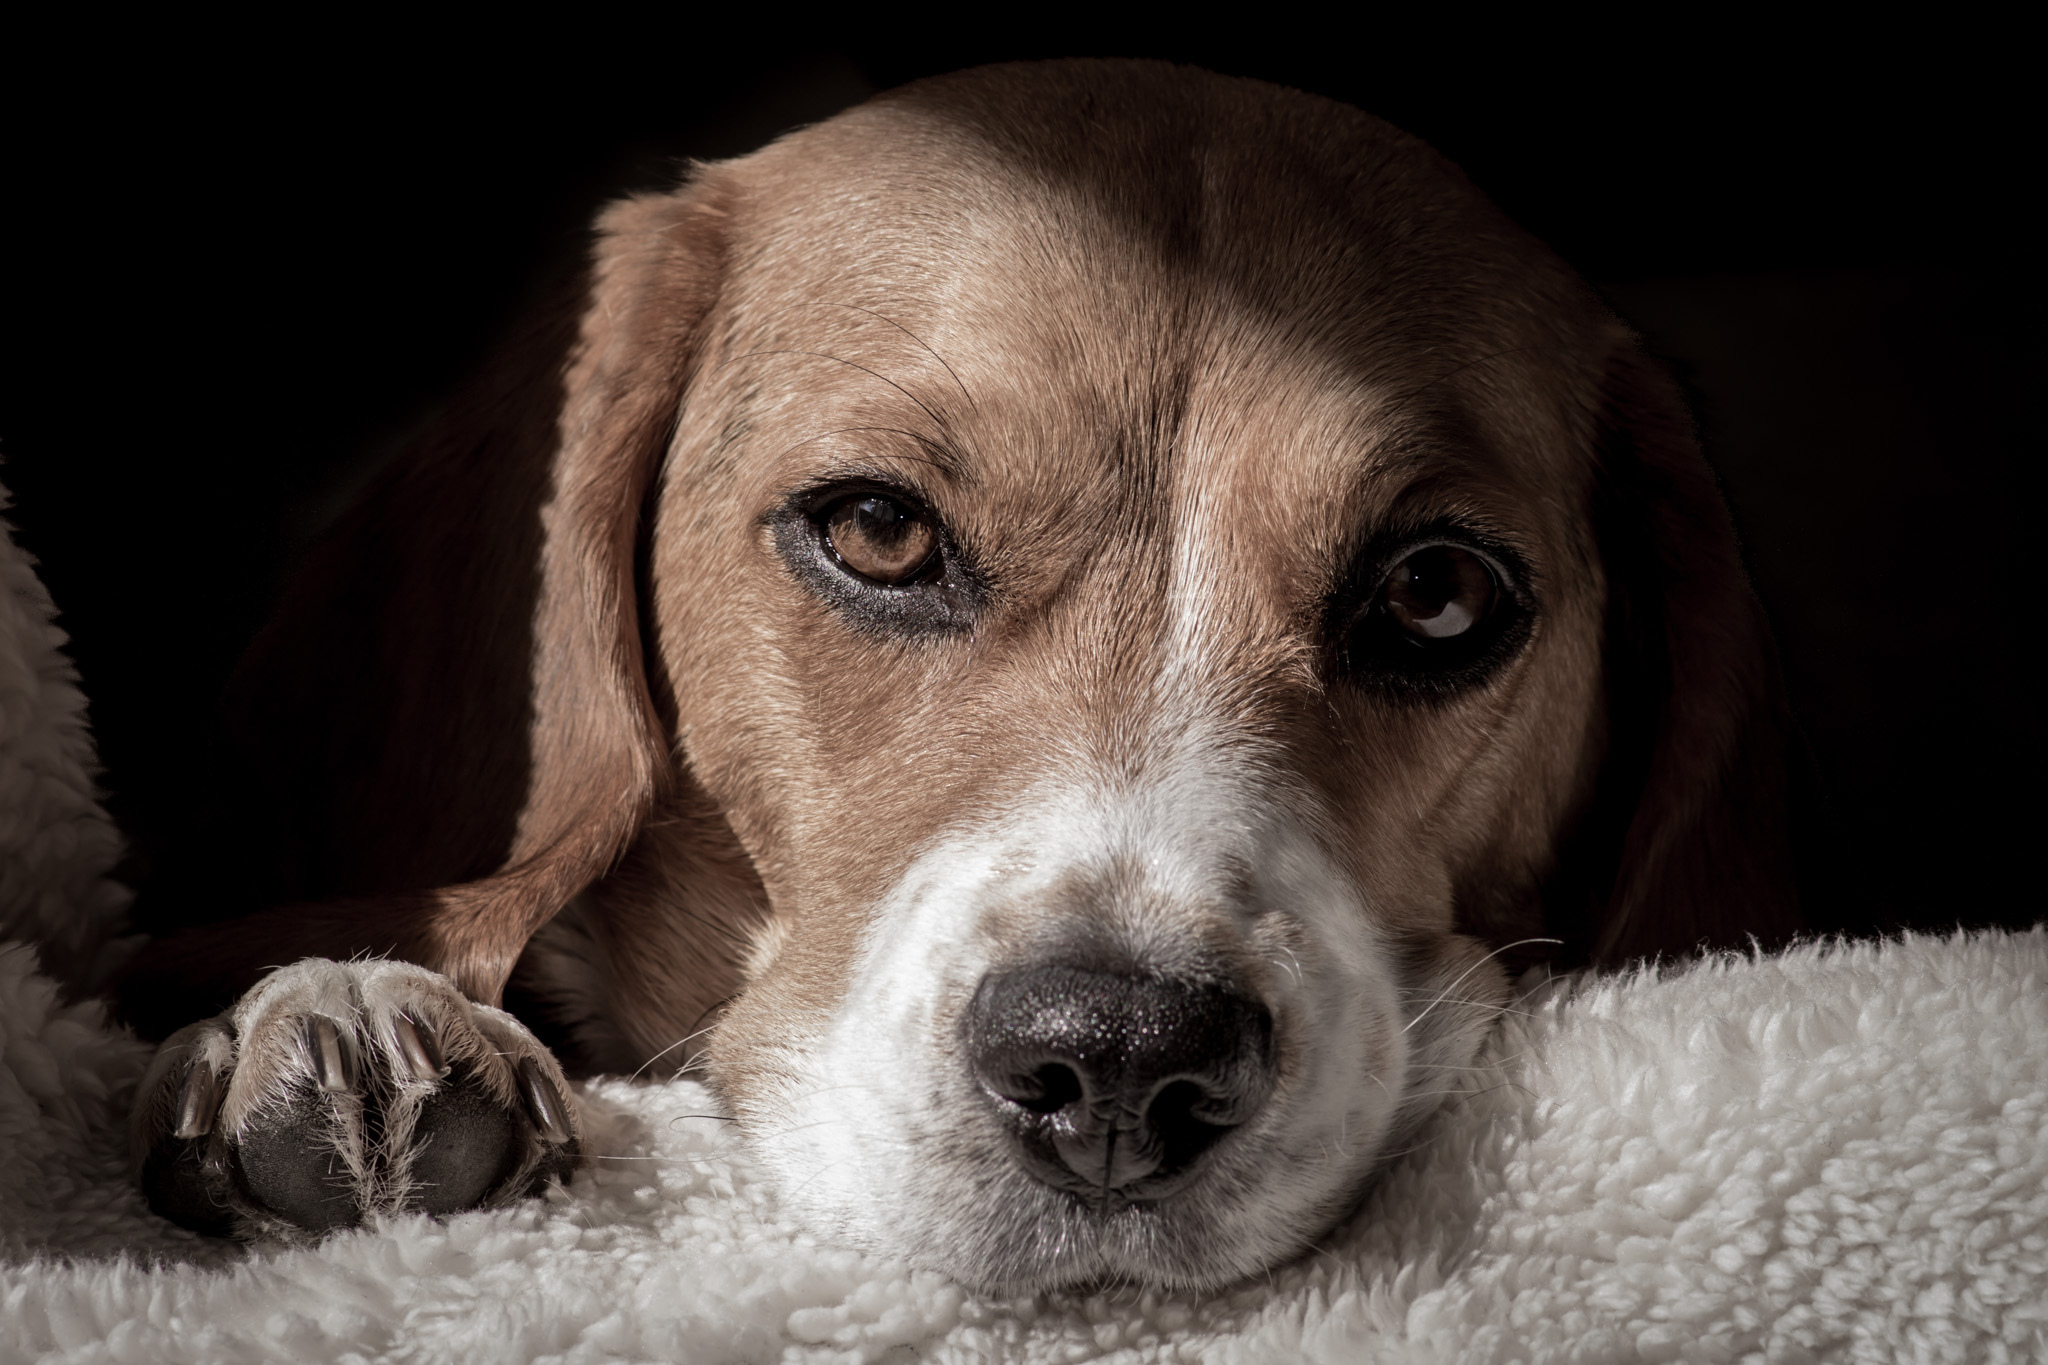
{"x":422,"y":1053}
{"x":197,"y":1101}
{"x":323,"y":1040}
{"x":549,"y":1114}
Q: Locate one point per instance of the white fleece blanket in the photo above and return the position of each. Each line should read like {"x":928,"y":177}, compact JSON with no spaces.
{"x":1838,"y":1153}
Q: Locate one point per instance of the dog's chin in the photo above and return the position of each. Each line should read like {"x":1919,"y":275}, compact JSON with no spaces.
{"x":980,"y":1219}
{"x":1011,"y":1235}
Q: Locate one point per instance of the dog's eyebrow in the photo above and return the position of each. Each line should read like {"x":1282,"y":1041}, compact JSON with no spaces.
{"x":1435,"y":474}
{"x":937,"y":420}
{"x":1428,"y":492}
{"x":936,"y":454}
{"x":929,"y":349}
{"x":1411,"y":395}
{"x":1426,"y":434}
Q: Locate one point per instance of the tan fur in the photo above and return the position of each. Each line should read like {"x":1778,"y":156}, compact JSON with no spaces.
{"x":1079,"y":309}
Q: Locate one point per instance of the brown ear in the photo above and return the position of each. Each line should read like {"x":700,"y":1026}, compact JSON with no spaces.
{"x":447,"y":730}
{"x":1692,"y":808}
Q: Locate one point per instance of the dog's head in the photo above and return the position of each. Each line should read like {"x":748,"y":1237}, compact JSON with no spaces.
{"x":1085,"y":603}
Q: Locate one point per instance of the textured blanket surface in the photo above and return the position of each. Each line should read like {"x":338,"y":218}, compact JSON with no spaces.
{"x":1838,"y":1153}
{"x":1831,"y":1154}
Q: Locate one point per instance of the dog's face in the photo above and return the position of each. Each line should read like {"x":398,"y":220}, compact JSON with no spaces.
{"x":1086,"y":603}
{"x":1129,"y":581}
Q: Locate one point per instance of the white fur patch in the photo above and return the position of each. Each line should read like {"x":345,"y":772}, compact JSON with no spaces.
{"x":1215,"y":855}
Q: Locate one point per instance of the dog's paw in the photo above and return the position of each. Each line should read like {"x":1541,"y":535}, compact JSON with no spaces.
{"x":333,"y":1091}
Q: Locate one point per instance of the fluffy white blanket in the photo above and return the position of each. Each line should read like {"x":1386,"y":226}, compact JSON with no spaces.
{"x":1835,"y":1153}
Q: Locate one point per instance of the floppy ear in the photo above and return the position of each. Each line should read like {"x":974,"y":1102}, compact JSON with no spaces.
{"x":447,"y":728}
{"x":1692,"y":806}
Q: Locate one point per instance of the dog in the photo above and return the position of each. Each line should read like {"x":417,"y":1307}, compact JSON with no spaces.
{"x":1057,"y":636}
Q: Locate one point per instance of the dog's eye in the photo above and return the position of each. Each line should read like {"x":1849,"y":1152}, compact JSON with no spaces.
{"x":1439,"y":593}
{"x":880,"y":557}
{"x":880,"y":539}
{"x":1439,"y":621}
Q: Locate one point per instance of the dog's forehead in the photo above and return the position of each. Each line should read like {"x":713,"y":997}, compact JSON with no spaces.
{"x":1188,"y":289}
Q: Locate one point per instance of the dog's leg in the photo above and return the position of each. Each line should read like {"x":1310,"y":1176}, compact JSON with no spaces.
{"x":333,"y":1091}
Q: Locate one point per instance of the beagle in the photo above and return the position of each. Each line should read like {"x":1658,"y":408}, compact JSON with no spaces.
{"x":1056,"y":637}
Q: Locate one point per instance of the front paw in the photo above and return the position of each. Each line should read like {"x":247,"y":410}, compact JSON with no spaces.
{"x":333,"y":1091}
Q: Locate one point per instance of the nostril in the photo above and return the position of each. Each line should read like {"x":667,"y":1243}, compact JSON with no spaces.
{"x":1047,"y":1090}
{"x":1188,"y":1119}
{"x":1174,"y":1106}
{"x":1057,"y":1087}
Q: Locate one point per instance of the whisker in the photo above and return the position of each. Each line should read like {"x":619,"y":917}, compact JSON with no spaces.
{"x":922,"y":342}
{"x":671,"y":1048}
{"x":1468,"y":971}
{"x":937,"y":420}
{"x":1495,"y":1067}
{"x":879,"y":317}
{"x":814,"y":1175}
{"x":641,"y":1069}
{"x":1497,"y":1010}
{"x":1458,"y":1097}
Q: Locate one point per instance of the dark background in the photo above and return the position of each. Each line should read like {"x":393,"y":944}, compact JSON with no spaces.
{"x":239,"y":266}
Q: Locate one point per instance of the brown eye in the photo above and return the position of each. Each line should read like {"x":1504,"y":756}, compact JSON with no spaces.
{"x":1439,"y":593}
{"x":1442,"y":621}
{"x":879,"y":538}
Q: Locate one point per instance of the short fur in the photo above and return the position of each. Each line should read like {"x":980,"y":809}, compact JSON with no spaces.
{"x":1164,"y":350}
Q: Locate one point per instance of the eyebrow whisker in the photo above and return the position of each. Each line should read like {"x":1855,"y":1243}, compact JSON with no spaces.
{"x":939,"y":421}
{"x":922,"y":342}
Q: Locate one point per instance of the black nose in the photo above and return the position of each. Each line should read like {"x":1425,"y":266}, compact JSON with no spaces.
{"x":1117,"y":1083}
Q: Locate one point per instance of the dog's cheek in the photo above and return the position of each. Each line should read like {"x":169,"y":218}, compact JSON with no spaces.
{"x":1451,"y":1006}
{"x":831,"y":1092}
{"x":777,"y":1018}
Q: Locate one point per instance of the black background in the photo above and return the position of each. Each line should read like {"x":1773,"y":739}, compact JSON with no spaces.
{"x":241,"y":264}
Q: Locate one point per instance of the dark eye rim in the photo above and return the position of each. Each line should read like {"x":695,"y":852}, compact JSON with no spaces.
{"x":1370,"y":650}
{"x":943,"y":597}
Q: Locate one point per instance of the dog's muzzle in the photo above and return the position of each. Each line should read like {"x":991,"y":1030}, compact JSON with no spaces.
{"x":1112,"y":1087}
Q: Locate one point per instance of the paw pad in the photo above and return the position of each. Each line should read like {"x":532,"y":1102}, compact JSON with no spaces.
{"x":334,"y":1091}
